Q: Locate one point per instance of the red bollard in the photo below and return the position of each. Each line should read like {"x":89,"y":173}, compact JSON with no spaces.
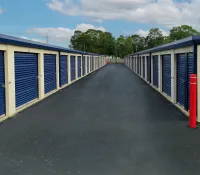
{"x":193,"y":101}
{"x":107,"y":61}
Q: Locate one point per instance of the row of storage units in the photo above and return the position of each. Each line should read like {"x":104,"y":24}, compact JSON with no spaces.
{"x":30,"y":72}
{"x":167,"y":68}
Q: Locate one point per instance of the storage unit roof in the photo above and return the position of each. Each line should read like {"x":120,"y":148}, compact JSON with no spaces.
{"x":193,"y":40}
{"x":6,"y":39}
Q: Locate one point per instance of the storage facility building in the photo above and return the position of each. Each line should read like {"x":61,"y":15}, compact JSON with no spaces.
{"x":167,"y":69}
{"x":31,"y":71}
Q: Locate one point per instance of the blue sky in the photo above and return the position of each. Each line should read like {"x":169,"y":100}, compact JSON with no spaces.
{"x":34,"y":19}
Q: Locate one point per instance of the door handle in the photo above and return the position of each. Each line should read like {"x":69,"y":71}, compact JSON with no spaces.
{"x":3,"y":85}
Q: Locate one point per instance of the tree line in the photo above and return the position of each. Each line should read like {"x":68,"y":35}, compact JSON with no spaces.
{"x":97,"y":41}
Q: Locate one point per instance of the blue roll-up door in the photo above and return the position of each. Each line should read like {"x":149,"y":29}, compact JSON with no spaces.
{"x":49,"y":72}
{"x":26,"y":78}
{"x":88,"y":65}
{"x":148,"y":69}
{"x":190,"y":70}
{"x":2,"y":85}
{"x":140,"y":66}
{"x":132,"y":67}
{"x":155,"y":71}
{"x":181,"y":78}
{"x":130,"y":63}
{"x":143,"y":66}
{"x":166,"y":74}
{"x":83,"y":65}
{"x":73,"y":68}
{"x":63,"y":70}
{"x":79,"y":66}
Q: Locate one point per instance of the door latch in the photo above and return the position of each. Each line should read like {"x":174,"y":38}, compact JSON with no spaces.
{"x":3,"y":85}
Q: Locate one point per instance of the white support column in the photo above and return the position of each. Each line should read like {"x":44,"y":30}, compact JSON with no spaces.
{"x":136,"y":62}
{"x":198,"y":83}
{"x":172,"y":78}
{"x":146,"y":68}
{"x":69,"y":69}
{"x":76,"y":67}
{"x":89,"y":65}
{"x":151,"y":70}
{"x":81,"y":66}
{"x":41,"y":74}
{"x":160,"y":73}
{"x":85,"y":64}
{"x":57,"y":72}
{"x":10,"y":81}
{"x":94,"y":63}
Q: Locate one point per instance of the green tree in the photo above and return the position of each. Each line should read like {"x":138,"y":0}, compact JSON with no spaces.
{"x":138,"y":43}
{"x":167,"y":39}
{"x":181,"y":32}
{"x":94,"y":41}
{"x":75,"y":40}
{"x":154,"y":38}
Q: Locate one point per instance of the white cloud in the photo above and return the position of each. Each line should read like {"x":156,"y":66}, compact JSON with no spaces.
{"x":2,"y":11}
{"x":165,"y":12}
{"x":84,"y":27}
{"x":62,"y":34}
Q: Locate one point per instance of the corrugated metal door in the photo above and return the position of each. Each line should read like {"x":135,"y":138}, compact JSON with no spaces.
{"x":26,"y":78}
{"x":148,"y":69}
{"x":63,"y":70}
{"x":2,"y":85}
{"x":49,"y":72}
{"x":138,"y":65}
{"x":166,"y":74}
{"x":132,"y":66}
{"x":73,"y":67}
{"x":155,"y":71}
{"x":143,"y":67}
{"x":88,"y":65}
{"x":190,"y":70}
{"x":181,"y":78}
{"x":83,"y":65}
{"x":79,"y":66}
{"x":128,"y":61}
